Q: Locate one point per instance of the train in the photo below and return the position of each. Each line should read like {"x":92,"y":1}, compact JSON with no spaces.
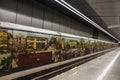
{"x":23,"y":47}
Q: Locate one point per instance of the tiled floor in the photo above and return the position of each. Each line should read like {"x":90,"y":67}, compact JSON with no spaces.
{"x":94,"y":69}
{"x":114,"y":72}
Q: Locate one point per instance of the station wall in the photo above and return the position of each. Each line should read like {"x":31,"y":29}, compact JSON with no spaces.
{"x":32,"y":13}
{"x":102,"y":36}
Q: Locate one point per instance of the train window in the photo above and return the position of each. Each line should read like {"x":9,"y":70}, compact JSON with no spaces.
{"x":19,"y":42}
{"x":4,"y":38}
{"x":37,"y":42}
{"x":66,"y":43}
{"x":71,"y":43}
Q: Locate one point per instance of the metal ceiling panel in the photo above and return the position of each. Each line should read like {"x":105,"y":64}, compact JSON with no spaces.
{"x":109,"y":11}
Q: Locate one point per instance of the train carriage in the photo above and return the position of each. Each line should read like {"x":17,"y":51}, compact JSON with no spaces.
{"x":23,"y":47}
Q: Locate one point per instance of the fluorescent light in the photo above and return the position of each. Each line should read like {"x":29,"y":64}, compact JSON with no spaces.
{"x":83,"y":37}
{"x":69,"y":35}
{"x":108,"y":67}
{"x":67,"y":7}
{"x":71,"y":8}
{"x":114,"y":26}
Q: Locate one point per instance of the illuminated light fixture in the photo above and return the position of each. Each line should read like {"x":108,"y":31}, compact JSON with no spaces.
{"x":83,"y":37}
{"x":108,"y":67}
{"x":71,"y":8}
{"x":114,"y":26}
{"x":69,"y":35}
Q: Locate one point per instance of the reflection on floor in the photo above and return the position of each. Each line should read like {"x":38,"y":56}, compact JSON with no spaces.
{"x":94,"y":69}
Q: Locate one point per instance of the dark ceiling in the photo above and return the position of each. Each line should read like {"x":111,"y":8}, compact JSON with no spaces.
{"x":83,"y":7}
{"x":109,"y":11}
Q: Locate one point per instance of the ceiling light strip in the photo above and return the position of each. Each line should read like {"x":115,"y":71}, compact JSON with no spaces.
{"x":86,"y":18}
{"x":68,"y":6}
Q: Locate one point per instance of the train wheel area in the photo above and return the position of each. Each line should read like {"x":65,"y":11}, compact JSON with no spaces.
{"x":53,"y":69}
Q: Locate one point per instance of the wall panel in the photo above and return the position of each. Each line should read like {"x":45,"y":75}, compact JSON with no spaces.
{"x":67,"y":24}
{"x":24,"y":12}
{"x":48,"y":19}
{"x":38,"y":14}
{"x":8,"y":10}
{"x":56,"y":21}
{"x":62,"y":23}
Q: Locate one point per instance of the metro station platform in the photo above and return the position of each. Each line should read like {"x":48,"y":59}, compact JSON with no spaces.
{"x":105,"y":67}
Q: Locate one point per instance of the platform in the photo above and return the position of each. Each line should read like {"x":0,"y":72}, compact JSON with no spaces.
{"x":105,"y":67}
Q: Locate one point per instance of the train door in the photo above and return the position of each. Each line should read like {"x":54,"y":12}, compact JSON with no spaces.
{"x":5,"y":50}
{"x":54,"y":45}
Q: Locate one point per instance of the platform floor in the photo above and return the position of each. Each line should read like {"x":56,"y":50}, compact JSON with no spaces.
{"x":105,"y":67}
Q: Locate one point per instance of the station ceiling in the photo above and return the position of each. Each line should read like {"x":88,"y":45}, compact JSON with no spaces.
{"x":103,"y":12}
{"x":109,"y":11}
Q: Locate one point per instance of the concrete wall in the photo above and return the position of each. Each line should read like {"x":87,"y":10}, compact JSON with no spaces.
{"x":32,"y":13}
{"x":102,"y":36}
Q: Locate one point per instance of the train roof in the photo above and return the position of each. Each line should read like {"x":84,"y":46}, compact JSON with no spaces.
{"x":44,"y":31}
